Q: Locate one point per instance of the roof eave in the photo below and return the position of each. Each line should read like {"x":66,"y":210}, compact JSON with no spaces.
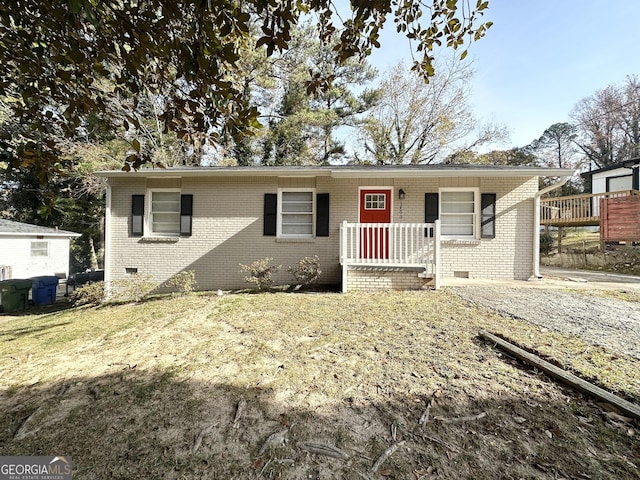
{"x":218,"y":172}
{"x":463,"y":172}
{"x":40,"y":234}
{"x":398,"y":172}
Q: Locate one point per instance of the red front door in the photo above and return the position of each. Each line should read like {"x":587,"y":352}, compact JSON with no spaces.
{"x":375,"y":207}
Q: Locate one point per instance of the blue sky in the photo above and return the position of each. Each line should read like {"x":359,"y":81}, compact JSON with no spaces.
{"x":540,"y":58}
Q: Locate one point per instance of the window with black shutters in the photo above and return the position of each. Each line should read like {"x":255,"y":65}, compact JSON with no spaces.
{"x":296,"y":214}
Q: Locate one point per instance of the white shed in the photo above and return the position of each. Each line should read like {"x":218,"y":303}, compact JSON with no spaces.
{"x":30,"y":250}
{"x":619,"y":177}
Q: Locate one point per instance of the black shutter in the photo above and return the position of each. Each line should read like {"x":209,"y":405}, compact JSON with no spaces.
{"x":431,"y":209}
{"x":270,"y":213}
{"x":186,"y":214}
{"x":322,"y":215}
{"x":488,"y":223}
{"x":137,"y":215}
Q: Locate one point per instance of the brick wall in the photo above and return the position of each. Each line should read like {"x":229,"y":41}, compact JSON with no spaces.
{"x":508,"y":255}
{"x":384,"y":280}
{"x":227,"y":231}
{"x":228,"y":228}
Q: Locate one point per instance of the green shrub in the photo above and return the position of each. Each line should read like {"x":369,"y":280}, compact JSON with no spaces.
{"x":133,"y":288}
{"x":306,"y":271}
{"x":89,"y":294}
{"x":546,"y":243}
{"x":260,"y":272}
{"x":184,"y":282}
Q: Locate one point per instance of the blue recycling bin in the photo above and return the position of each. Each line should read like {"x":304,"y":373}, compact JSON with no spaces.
{"x":43,"y":290}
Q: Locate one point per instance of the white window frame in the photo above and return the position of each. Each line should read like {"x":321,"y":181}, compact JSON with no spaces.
{"x":149,"y":212}
{"x":476,"y":213}
{"x":376,"y":202}
{"x":281,"y":192}
{"x":46,"y":244}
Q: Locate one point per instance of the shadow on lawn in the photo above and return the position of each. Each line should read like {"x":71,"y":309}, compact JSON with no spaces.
{"x":45,"y":310}
{"x":15,"y":333}
{"x":134,"y":424}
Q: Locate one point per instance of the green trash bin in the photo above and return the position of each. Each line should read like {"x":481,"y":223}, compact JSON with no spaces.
{"x":14,"y":295}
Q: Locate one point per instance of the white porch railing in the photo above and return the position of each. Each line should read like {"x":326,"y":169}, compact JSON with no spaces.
{"x":398,"y":245}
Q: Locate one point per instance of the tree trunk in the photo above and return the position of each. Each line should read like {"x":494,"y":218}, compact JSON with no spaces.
{"x":93,"y":257}
{"x":100,"y":255}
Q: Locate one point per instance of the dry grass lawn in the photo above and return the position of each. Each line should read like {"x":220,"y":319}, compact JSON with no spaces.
{"x":306,"y":386}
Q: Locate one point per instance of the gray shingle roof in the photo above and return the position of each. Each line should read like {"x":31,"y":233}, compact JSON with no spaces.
{"x":9,"y":227}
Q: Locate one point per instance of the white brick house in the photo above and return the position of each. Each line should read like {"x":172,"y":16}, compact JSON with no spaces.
{"x":371,"y":226}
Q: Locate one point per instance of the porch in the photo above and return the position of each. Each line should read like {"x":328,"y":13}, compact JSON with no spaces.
{"x":390,"y":255}
{"x":576,"y":210}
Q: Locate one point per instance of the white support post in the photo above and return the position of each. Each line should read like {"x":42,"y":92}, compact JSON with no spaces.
{"x":436,"y":254}
{"x":344,"y":250}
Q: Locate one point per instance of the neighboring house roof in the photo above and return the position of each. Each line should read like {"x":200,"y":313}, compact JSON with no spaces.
{"x":11,"y":228}
{"x":349,"y":171}
{"x":626,"y":164}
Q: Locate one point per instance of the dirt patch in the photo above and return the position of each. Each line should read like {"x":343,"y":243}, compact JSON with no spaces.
{"x":582,"y":249}
{"x":329,"y":386}
{"x":625,"y":260}
{"x":608,"y":322}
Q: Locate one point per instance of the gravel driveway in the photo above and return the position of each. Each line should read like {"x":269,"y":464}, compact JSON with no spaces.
{"x":611,"y":323}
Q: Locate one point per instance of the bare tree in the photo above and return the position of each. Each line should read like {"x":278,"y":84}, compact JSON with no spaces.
{"x":630,"y":122}
{"x":608,"y":123}
{"x":421,"y":123}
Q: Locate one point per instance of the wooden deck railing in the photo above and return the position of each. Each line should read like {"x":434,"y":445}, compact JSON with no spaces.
{"x":576,"y":210}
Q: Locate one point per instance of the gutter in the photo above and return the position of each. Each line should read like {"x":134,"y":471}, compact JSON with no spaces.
{"x":536,"y":222}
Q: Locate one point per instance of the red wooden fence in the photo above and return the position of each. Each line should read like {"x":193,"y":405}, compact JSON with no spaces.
{"x":620,"y":219}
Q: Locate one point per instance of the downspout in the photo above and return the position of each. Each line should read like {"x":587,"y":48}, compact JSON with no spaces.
{"x":536,"y":223}
{"x":107,"y":243}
